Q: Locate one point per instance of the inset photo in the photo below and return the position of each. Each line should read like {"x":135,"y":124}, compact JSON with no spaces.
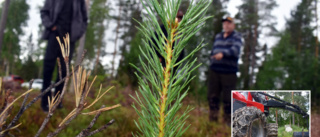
{"x":270,"y":113}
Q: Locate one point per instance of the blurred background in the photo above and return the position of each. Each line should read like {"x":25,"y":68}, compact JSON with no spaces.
{"x":280,"y":51}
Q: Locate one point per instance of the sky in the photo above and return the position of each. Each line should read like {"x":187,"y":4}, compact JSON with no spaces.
{"x":281,"y":13}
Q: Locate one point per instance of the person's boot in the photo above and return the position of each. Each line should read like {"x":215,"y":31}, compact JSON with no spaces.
{"x":60,"y":106}
{"x":213,"y":115}
{"x":44,"y":103}
{"x":227,"y":113}
{"x":214,"y":109}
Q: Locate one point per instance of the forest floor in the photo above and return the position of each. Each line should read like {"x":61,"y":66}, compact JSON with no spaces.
{"x":124,"y":117}
{"x":283,"y":133}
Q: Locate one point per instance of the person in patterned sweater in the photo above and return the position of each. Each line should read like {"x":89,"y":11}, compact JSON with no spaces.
{"x":223,"y":68}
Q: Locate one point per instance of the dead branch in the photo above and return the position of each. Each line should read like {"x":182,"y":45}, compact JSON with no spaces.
{"x":80,"y":106}
{"x":65,"y":49}
{"x":78,"y":110}
{"x":85,"y":132}
{"x":56,"y":84}
{"x":15,"y":119}
{"x":59,"y":66}
{"x":102,"y":128}
{"x":24,"y":108}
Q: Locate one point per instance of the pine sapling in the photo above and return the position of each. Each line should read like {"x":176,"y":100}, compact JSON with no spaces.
{"x":162,"y":89}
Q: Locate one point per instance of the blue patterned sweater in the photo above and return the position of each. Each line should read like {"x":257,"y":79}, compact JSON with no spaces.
{"x":230,"y":48}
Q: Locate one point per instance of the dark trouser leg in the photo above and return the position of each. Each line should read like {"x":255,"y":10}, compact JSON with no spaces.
{"x":48,"y":67}
{"x":214,"y":90}
{"x":59,"y":88}
{"x":228,"y":82}
{"x":53,"y":52}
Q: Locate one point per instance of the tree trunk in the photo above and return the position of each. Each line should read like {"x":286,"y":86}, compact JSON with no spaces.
{"x":317,"y":33}
{"x":254,"y":45}
{"x":115,"y":44}
{"x":316,"y":47}
{"x":3,"y":21}
{"x":40,"y":72}
{"x":276,"y":116}
{"x":292,"y":112}
{"x":82,"y":40}
{"x":299,"y":42}
{"x":80,"y":48}
{"x":98,"y":53}
{"x":7,"y":67}
{"x":246,"y":66}
{"x":298,"y":122}
{"x":97,"y":61}
{"x":8,"y":61}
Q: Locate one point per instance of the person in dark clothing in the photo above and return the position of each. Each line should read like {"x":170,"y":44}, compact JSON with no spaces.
{"x":223,"y":68}
{"x":161,"y":58}
{"x":60,"y":17}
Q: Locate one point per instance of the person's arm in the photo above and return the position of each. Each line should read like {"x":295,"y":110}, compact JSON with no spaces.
{"x":213,"y":53}
{"x":233,"y":51}
{"x":45,"y":15}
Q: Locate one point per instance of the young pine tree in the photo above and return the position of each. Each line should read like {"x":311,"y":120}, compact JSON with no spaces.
{"x":162,"y":88}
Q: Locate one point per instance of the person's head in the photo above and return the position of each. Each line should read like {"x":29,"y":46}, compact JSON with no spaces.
{"x":179,"y":15}
{"x":228,"y":24}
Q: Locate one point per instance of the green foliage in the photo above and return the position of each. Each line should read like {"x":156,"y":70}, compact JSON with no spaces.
{"x":31,"y":67}
{"x":131,"y":40}
{"x":98,"y":15}
{"x":285,"y":116}
{"x":272,"y":74}
{"x":255,"y":17}
{"x":17,"y":17}
{"x":31,"y":63}
{"x":282,"y":131}
{"x":99,"y":70}
{"x":160,"y":87}
{"x":293,"y":63}
{"x":16,"y":20}
{"x":214,"y":25}
{"x":125,"y":71}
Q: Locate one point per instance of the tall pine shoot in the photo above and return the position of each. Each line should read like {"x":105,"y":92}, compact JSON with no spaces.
{"x":161,"y":89}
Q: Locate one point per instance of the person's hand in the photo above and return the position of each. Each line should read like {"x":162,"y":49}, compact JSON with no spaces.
{"x":54,"y":28}
{"x":218,"y":56}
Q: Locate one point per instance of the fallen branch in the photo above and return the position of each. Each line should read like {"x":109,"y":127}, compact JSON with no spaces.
{"x":82,"y":89}
{"x":85,"y":132}
{"x":21,"y":111}
{"x":59,"y":66}
{"x":102,"y":128}
{"x":16,"y":118}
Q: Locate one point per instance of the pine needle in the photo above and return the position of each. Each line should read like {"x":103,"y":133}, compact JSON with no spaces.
{"x":102,"y":110}
{"x":14,"y":102}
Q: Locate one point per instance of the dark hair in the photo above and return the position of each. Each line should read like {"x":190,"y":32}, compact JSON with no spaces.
{"x":180,"y":13}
